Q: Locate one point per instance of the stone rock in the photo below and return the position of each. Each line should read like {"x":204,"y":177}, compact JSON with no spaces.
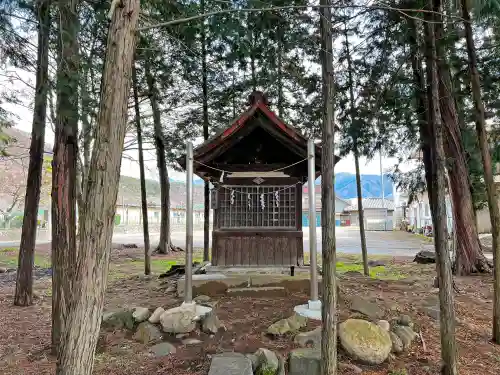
{"x":405,"y":320}
{"x":211,"y":324}
{"x":365,"y":341}
{"x":297,"y":322}
{"x":384,"y":324}
{"x":350,"y":367}
{"x":406,"y":335}
{"x":281,"y":365}
{"x":283,"y":326}
{"x":3,"y":270}
{"x":370,"y":309}
{"x":433,"y":311}
{"x":304,"y":361}
{"x":181,"y":335}
{"x":162,"y":349}
{"x":180,"y":319}
{"x":376,"y":263}
{"x":191,"y":341}
{"x":230,"y":364}
{"x":141,"y":314}
{"x":312,"y":338}
{"x":201,"y":299}
{"x":268,"y":362}
{"x":254,"y":359}
{"x":171,"y":289}
{"x":155,"y":316}
{"x":397,"y":344}
{"x":118,"y":320}
{"x":201,"y":269}
{"x":279,"y":328}
{"x":147,"y":333}
{"x":425,"y":257}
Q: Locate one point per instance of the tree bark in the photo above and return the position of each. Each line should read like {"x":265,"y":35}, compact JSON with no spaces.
{"x":164,"y":246}
{"x":487,"y":165}
{"x":329,"y":308}
{"x":361,"y":215}
{"x":64,"y":168}
{"x":144,"y":200}
{"x":422,"y":96}
{"x":469,"y":258}
{"x":447,"y":316}
{"x":206,"y":219}
{"x":24,"y":281}
{"x":78,"y":343}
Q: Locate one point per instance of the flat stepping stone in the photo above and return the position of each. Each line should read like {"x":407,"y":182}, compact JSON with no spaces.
{"x":304,"y":361}
{"x":312,"y":338}
{"x":162,"y":349}
{"x":191,"y":341}
{"x":370,"y":309}
{"x":230,"y":364}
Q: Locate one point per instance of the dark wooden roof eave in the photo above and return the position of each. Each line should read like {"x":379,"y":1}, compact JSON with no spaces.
{"x":223,"y":134}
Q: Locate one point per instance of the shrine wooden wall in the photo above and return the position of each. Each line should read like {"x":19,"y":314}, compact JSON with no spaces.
{"x":257,"y":248}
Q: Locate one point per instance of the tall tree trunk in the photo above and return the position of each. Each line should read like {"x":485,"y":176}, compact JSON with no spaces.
{"x":469,"y":257}
{"x":487,"y":166}
{"x":81,"y":332}
{"x":206,"y":219}
{"x":64,"y":169}
{"x":164,"y":246}
{"x":361,"y":214}
{"x":422,"y":97}
{"x":447,"y":321}
{"x":24,"y":281}
{"x":329,"y":308}
{"x":144,"y":200}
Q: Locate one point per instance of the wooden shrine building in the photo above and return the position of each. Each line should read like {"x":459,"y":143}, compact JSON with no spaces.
{"x":257,"y":166}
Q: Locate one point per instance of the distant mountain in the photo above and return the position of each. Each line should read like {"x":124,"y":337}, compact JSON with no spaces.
{"x":345,"y":185}
{"x":130,"y":192}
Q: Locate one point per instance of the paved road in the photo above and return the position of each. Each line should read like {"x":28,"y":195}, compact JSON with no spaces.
{"x":394,"y":243}
{"x":391,"y":243}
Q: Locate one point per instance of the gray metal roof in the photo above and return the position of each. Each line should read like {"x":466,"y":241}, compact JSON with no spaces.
{"x":372,"y":203}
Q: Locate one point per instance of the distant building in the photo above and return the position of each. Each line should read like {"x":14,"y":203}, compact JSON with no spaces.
{"x":378,"y":213}
{"x":341,"y":218}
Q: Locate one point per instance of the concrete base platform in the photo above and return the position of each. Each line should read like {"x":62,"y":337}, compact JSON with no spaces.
{"x":281,"y":270}
{"x":214,"y":284}
{"x":311,"y":310}
{"x":257,"y":292}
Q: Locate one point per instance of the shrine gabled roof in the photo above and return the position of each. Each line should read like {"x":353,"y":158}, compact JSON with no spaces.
{"x":258,"y":103}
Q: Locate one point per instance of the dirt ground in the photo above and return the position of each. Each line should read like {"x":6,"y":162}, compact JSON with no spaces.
{"x":25,"y":337}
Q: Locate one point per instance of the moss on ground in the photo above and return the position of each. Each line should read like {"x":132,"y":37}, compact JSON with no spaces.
{"x":10,"y":260}
{"x":377,"y":272}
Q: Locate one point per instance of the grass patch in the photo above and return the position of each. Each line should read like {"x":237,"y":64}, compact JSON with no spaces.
{"x":377,"y":272}
{"x":11,"y":261}
{"x":9,"y":250}
{"x":127,"y":268}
